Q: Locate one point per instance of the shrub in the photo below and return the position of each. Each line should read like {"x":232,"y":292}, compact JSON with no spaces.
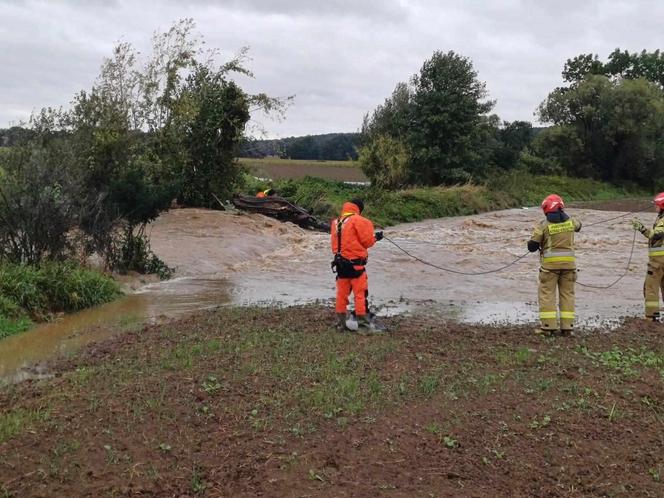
{"x":51,"y":288}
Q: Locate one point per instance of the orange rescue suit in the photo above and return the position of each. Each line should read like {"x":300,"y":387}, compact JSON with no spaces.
{"x":357,"y":235}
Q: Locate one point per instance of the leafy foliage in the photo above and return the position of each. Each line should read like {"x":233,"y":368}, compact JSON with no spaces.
{"x":40,"y":290}
{"x":144,"y":134}
{"x":621,"y":64}
{"x":38,"y":202}
{"x":605,"y":128}
{"x":435,"y":129}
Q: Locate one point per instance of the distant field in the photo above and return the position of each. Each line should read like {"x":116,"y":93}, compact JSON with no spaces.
{"x":276,"y":169}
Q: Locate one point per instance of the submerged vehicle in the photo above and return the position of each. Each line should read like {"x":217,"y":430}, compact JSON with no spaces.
{"x":281,"y":209}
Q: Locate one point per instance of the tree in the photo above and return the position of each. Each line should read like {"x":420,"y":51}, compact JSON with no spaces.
{"x":604,"y":128}
{"x":512,"y":138}
{"x":212,"y":131}
{"x":621,"y":64}
{"x":439,"y":120}
{"x":39,"y":202}
{"x":447,"y":108}
{"x":142,"y":135}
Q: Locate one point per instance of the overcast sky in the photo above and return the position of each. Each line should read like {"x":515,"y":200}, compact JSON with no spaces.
{"x":340,"y":58}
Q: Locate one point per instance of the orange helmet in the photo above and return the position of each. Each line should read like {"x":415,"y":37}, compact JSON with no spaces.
{"x":552,"y":203}
{"x":659,"y":200}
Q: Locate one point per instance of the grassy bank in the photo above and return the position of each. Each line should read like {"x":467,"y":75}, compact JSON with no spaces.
{"x":31,"y":293}
{"x":265,"y":402}
{"x":324,"y":198}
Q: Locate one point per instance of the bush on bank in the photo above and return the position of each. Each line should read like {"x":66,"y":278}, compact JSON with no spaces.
{"x":30,"y":292}
{"x":324,"y":198}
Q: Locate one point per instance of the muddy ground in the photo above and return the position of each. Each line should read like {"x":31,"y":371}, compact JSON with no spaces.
{"x":264,"y":402}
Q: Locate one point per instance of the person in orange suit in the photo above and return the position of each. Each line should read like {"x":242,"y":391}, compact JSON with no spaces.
{"x":266,"y":193}
{"x":351,"y":237}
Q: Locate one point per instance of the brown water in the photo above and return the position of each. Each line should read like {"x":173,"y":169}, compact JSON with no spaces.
{"x":225,"y":258}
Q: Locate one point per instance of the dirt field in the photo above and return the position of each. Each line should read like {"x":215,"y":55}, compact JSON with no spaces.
{"x":248,"y":402}
{"x":276,"y":169}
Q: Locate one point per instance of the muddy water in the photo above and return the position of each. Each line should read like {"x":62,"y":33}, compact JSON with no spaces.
{"x":484,"y":242}
{"x":226,"y":258}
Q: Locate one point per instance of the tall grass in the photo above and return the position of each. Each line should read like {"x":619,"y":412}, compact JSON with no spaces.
{"x":324,"y":198}
{"x":39,"y":291}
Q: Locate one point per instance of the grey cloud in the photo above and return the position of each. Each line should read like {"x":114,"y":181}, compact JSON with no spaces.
{"x":341,"y":58}
{"x":375,"y":9}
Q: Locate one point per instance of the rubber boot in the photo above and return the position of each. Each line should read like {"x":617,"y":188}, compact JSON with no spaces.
{"x":368,"y":325}
{"x":340,"y":323}
{"x":363,"y":323}
{"x":540,"y":332}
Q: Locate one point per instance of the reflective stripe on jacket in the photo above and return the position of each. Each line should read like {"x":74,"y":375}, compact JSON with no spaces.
{"x":357,"y":233}
{"x":656,"y":239}
{"x":557,"y":244}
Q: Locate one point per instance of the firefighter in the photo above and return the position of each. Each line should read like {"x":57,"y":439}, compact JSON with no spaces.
{"x":654,"y":282}
{"x":554,"y":238}
{"x":266,"y":193}
{"x":351,"y":236}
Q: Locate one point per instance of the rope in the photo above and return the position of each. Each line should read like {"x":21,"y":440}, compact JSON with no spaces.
{"x":446,"y":244}
{"x":629,"y":262}
{"x":618,"y":217}
{"x":450,"y":270}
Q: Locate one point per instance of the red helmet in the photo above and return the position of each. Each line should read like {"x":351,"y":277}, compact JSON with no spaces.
{"x":552,"y":203}
{"x":659,"y":200}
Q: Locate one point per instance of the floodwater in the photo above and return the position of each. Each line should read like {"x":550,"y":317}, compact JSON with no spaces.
{"x":234,"y":258}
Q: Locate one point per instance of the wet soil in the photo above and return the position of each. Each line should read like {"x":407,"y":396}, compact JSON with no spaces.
{"x":264,"y":402}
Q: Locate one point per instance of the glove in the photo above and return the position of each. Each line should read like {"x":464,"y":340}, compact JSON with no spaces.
{"x":637,"y":225}
{"x":379,"y":235}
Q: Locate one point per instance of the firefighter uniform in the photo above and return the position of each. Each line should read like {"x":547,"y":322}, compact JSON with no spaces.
{"x":557,"y":272}
{"x":654,"y":283}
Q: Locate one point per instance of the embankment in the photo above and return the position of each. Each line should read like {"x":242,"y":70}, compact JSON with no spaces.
{"x":36,"y":293}
{"x":513,"y":189}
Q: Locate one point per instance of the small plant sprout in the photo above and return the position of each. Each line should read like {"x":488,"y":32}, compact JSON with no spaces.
{"x":450,"y":442}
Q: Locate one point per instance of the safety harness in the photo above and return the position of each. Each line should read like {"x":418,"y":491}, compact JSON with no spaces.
{"x":343,"y":267}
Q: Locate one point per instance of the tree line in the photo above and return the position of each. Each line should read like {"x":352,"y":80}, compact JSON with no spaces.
{"x":606,"y":123}
{"x":326,"y":147}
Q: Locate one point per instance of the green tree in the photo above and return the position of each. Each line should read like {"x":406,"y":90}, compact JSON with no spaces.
{"x":144,"y":133}
{"x":439,"y":119}
{"x":606,"y":129}
{"x":447,"y":108}
{"x":386,"y":161}
{"x":621,"y":64}
{"x":39,"y":202}
{"x":512,"y":138}
{"x":212,"y":131}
